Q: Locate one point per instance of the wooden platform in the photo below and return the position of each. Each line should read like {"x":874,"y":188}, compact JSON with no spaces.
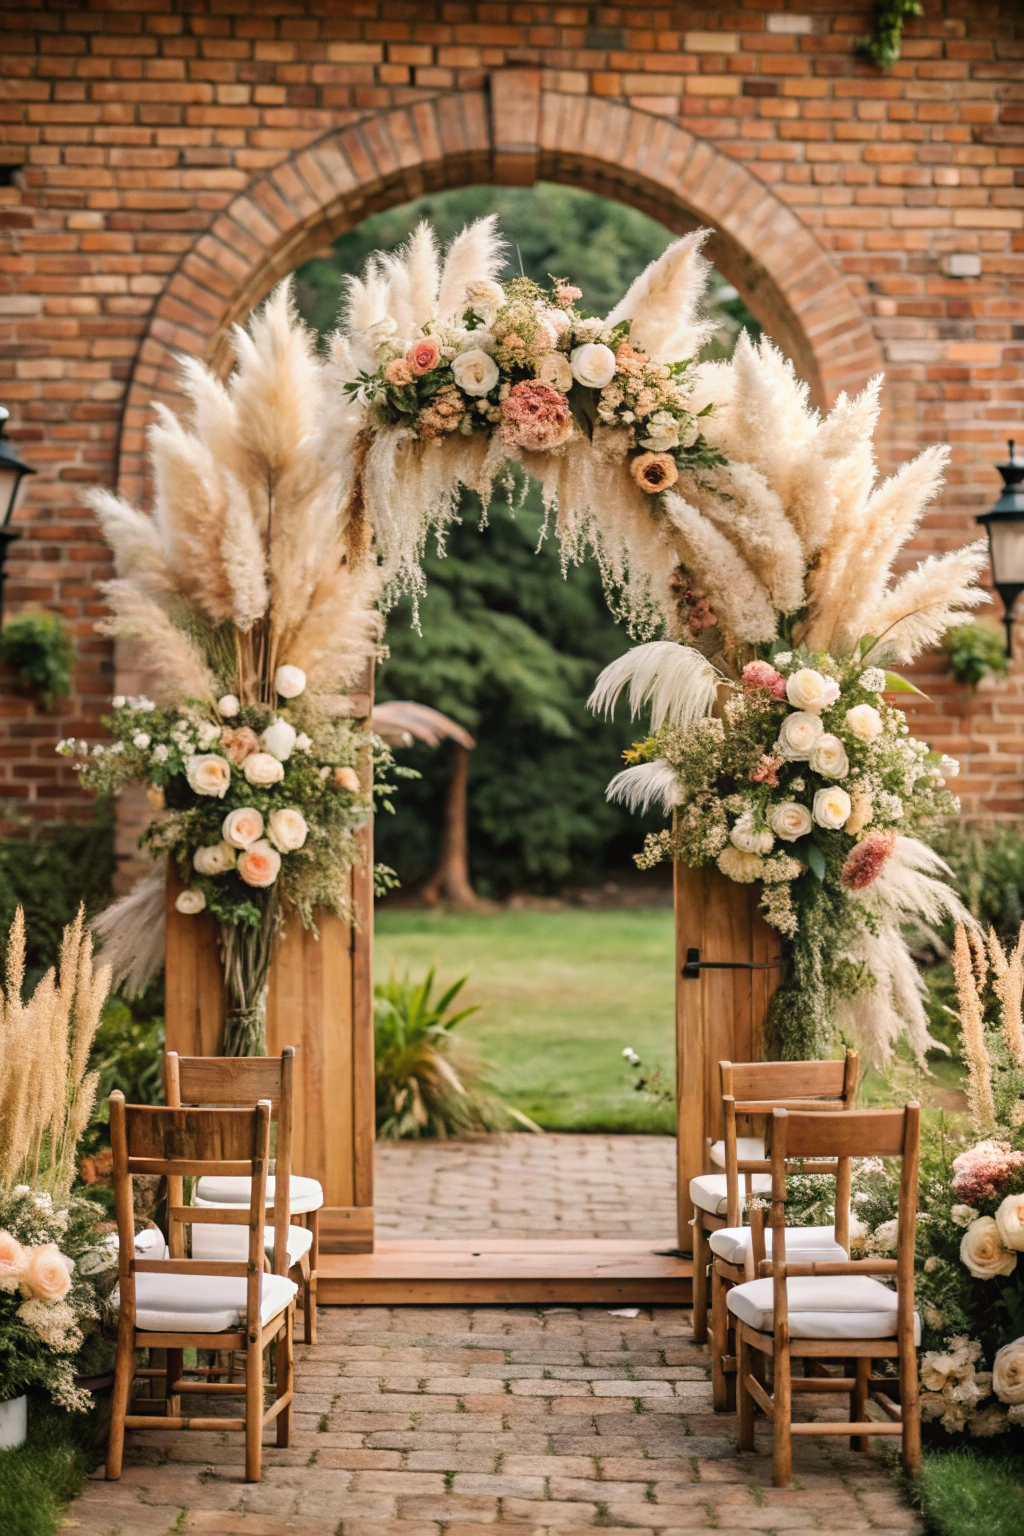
{"x":446,"y":1271}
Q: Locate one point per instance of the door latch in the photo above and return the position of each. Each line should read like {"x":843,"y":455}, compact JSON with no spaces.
{"x":694,"y":965}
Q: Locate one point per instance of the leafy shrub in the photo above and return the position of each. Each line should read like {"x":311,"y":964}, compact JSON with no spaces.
{"x":38,"y":1479}
{"x":41,"y":651}
{"x":128,"y":1053}
{"x":988,"y":863}
{"x":976,"y":651}
{"x":427,"y":1083}
{"x":48,"y":870}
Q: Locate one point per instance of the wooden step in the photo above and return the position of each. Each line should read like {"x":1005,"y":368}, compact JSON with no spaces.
{"x":443,"y":1271}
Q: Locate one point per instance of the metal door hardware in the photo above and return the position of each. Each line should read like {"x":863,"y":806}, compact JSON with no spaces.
{"x":694,"y":965}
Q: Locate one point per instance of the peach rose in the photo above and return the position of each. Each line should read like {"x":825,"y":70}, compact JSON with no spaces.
{"x":398,"y":372}
{"x":239,"y":743}
{"x":347,"y":778}
{"x":243,"y":827}
{"x":288,"y":829}
{"x":12,"y":1262}
{"x":654,"y":472}
{"x":47,"y":1273}
{"x":424,"y":356}
{"x":260,"y":864}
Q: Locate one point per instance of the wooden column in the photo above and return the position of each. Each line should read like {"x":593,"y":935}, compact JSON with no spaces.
{"x":720,"y":1015}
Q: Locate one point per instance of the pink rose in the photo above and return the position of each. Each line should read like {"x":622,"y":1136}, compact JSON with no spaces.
{"x":47,"y":1274}
{"x":12,"y":1262}
{"x":535,"y":417}
{"x":423,"y":356}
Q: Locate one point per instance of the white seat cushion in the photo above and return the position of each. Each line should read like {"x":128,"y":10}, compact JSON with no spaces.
{"x":231,"y":1242}
{"x":303,"y":1194}
{"x":749,"y":1149}
{"x":171,"y":1303}
{"x":150,"y":1243}
{"x":822,"y":1307}
{"x":813,"y":1245}
{"x":710,"y":1191}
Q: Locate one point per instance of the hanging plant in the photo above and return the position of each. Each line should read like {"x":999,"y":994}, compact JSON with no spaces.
{"x":884,"y":44}
{"x":39,"y":649}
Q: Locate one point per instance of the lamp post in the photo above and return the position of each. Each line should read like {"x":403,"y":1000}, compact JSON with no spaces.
{"x":12,"y":473}
{"x":1004,"y":524}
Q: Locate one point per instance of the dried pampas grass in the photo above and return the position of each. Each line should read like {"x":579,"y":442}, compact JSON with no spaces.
{"x":661,"y":304}
{"x":679,"y":683}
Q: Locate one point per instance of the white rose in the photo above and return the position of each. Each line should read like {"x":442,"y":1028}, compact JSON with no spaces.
{"x":259,"y":865}
{"x":215,"y":859}
{"x":593,"y":364}
{"x":554,"y":371}
{"x":558,"y":320}
{"x":790,"y":821}
{"x":190,"y":902}
{"x":485,"y":297}
{"x":689,"y":434}
{"x":475,"y":372}
{"x":140,"y":740}
{"x":287,"y":829}
{"x":662,"y":432}
{"x":279,"y":738}
{"x":208,"y":774}
{"x":864,"y":721}
{"x":983,"y":1251}
{"x":746,"y":837}
{"x":742,"y":867}
{"x":798,"y":736}
{"x":829,"y":757}
{"x":290,"y":681}
{"x":808,"y":689}
{"x":243,"y":827}
{"x":1010,"y":1221}
{"x":262,"y":769}
{"x":1008,"y":1373}
{"x":831,"y":807}
{"x":228,"y":706}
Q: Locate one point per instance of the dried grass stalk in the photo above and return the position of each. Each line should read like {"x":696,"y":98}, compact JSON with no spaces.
{"x":972,"y":1033}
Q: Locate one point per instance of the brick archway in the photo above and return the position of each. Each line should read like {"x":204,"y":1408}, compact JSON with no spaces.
{"x":513,"y":134}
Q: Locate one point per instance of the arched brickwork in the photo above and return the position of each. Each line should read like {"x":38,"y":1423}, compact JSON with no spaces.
{"x":517,"y":133}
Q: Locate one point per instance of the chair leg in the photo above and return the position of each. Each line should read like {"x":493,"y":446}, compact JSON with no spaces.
{"x":723,"y":1385}
{"x":859,"y":1402}
{"x":744,"y":1401}
{"x":253,"y":1411}
{"x":782,"y":1397}
{"x":309,"y":1292}
{"x":124,"y":1371}
{"x":910,"y":1407}
{"x":285,"y":1375}
{"x":308,"y":1309}
{"x":701,"y":1254}
{"x":175,"y":1366}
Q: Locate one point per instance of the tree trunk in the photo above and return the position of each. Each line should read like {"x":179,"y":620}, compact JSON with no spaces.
{"x":450,"y":880}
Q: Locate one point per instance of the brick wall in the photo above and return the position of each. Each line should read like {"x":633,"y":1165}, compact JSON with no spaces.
{"x":173,"y":160}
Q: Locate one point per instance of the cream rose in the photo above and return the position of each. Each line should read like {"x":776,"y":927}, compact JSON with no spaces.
{"x":1008,"y":1373}
{"x":748,"y":838}
{"x":279,"y":739}
{"x":861,"y":814}
{"x":808,"y":689}
{"x":593,"y":364}
{"x":287,"y":829}
{"x":243,"y":827}
{"x":347,"y":778}
{"x":798,"y":736}
{"x":831,"y":807}
{"x":260,"y":864}
{"x":214,"y":859}
{"x":662,"y":432}
{"x":208,"y":774}
{"x":829,"y":758}
{"x":12,"y":1262}
{"x":558,"y":320}
{"x":228,"y":707}
{"x":864,"y":722}
{"x":1010,"y":1221}
{"x":190,"y":902}
{"x":790,"y":821}
{"x":484,"y":297}
{"x":290,"y":681}
{"x":475,"y":373}
{"x":983,"y":1251}
{"x":47,"y":1273}
{"x":263,"y":769}
{"x":554,"y":371}
{"x":737,"y":865}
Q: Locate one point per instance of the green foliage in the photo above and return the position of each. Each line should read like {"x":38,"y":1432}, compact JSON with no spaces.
{"x":426,"y":1085}
{"x":48,"y":870}
{"x":39,"y":648}
{"x":38,"y":1479}
{"x":988,"y":866}
{"x":884,"y":44}
{"x":976,"y":651}
{"x":974,"y":1490}
{"x":128,"y":1053}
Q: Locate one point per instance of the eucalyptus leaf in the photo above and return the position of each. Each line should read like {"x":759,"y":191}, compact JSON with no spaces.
{"x":816,"y":862}
{"x":894,"y":683}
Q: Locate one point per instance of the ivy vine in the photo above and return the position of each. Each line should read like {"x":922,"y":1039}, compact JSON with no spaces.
{"x":883,"y":46}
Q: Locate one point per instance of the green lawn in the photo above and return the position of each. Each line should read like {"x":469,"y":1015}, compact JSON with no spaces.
{"x":562,"y":993}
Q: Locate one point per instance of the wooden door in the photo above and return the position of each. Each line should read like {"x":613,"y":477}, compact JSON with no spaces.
{"x":720,"y":1013}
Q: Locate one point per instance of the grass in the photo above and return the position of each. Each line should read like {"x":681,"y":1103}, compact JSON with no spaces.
{"x":561,"y":994}
{"x":39,"y":1478}
{"x":970,"y":1491}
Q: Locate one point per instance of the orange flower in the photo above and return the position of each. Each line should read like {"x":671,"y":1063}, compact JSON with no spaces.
{"x":654,"y":472}
{"x":398,"y":372}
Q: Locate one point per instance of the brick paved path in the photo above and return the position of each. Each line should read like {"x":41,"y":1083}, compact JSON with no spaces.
{"x":495,"y":1421}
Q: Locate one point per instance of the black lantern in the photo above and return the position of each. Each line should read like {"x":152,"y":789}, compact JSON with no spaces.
{"x":1005,"y":527}
{"x":12,"y":473}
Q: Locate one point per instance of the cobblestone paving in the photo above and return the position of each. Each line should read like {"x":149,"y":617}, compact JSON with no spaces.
{"x":528,"y":1186}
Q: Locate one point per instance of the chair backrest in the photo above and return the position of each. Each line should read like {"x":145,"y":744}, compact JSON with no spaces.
{"x":840,"y":1135}
{"x":757,"y":1088}
{"x":244,"y":1080}
{"x":179,"y":1143}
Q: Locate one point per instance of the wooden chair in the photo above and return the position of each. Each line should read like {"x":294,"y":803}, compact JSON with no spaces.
{"x":241,"y":1080}
{"x":178,"y":1303}
{"x":749,"y":1089}
{"x":828,"y":1311}
{"x":755,"y":1087}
